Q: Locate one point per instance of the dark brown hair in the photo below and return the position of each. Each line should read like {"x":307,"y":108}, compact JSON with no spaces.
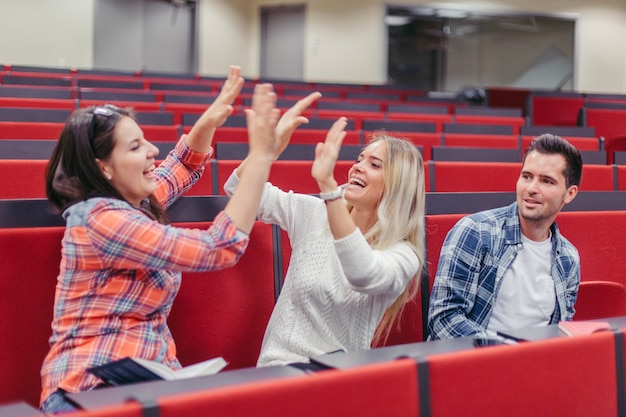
{"x":72,"y":174}
{"x":552,"y":144}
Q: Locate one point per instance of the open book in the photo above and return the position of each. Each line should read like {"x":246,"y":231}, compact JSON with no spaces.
{"x":577,"y":328}
{"x":132,"y":370}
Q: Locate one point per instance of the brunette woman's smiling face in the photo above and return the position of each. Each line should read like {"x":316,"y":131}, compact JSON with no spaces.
{"x":131,"y":164}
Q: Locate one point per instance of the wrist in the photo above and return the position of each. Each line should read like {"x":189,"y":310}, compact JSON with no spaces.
{"x":328,"y":186}
{"x":335,"y":194}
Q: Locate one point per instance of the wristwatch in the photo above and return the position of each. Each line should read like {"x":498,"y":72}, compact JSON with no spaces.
{"x":332,"y":195}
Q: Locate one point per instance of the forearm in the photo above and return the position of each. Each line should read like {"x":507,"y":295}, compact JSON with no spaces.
{"x":339,"y":219}
{"x":450,"y":324}
{"x":200,"y":138}
{"x":244,"y":203}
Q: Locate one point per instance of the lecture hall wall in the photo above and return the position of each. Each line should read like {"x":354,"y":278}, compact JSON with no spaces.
{"x":350,"y":36}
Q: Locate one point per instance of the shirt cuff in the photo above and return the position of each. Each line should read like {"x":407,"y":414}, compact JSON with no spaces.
{"x":190,"y":158}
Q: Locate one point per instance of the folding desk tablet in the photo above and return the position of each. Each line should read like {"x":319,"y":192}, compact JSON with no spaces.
{"x":151,"y":391}
{"x":529,"y":334}
{"x":343,"y":360}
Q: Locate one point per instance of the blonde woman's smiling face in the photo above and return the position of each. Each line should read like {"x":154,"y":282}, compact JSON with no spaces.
{"x":366,"y":179}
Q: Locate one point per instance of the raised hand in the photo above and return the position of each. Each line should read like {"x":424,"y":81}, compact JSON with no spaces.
{"x":262,"y":119}
{"x":326,"y":154}
{"x":201,"y":135}
{"x":222,"y":107}
{"x":293,"y":118}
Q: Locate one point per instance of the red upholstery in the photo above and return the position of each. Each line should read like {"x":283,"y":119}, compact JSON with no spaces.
{"x":502,"y":176}
{"x":288,"y":175}
{"x":581,"y":143}
{"x":481,"y":141}
{"x":601,"y":249}
{"x":30,"y":265}
{"x":409,"y":327}
{"x":388,"y":389}
{"x":555,"y":110}
{"x":621,"y":177}
{"x":47,"y":103}
{"x":555,"y":377}
{"x":355,"y":115}
{"x":475,"y":176}
{"x":30,"y":130}
{"x":224,"y":313}
{"x":437,"y":227}
{"x":515,"y":122}
{"x":425,"y":140}
{"x":22,"y":178}
{"x":177,"y":109}
{"x":438,"y":119}
{"x":353,"y":137}
{"x":600,"y":299}
{"x":155,"y":133}
{"x":609,"y":123}
{"x":597,"y":178}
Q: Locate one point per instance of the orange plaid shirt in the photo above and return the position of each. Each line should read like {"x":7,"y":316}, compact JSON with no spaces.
{"x":119,"y":274}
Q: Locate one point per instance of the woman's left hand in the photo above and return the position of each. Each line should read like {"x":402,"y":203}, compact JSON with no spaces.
{"x":222,"y":107}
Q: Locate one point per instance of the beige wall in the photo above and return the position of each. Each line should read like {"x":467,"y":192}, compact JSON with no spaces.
{"x":225,"y":37}
{"x":344,"y":39}
{"x":53,"y":33}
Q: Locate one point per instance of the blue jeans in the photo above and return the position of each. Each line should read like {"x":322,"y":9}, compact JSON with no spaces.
{"x":56,"y":403}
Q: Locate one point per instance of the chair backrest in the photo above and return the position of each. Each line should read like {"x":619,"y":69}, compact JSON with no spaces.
{"x":473,"y":176}
{"x":600,"y":299}
{"x":22,"y":178}
{"x":388,"y":389}
{"x":224,"y":313}
{"x":555,"y":377}
{"x":601,"y":248}
{"x":31,"y":258}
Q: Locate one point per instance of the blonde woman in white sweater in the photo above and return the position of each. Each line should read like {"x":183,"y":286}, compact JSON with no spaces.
{"x":357,"y":251}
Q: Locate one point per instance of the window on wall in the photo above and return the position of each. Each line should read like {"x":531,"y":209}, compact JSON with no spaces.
{"x":450,"y":49}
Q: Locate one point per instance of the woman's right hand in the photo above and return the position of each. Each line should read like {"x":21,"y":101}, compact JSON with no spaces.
{"x":262,"y":119}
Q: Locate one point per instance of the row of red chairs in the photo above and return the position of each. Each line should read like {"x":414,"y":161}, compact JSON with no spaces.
{"x":26,"y":178}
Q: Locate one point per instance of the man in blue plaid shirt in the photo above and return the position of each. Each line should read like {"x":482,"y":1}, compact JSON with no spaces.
{"x":509,"y":267}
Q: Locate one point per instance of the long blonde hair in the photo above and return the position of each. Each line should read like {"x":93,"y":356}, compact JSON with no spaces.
{"x":400,"y":216}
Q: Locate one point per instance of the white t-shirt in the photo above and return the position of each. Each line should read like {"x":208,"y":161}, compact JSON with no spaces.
{"x":527,"y":296}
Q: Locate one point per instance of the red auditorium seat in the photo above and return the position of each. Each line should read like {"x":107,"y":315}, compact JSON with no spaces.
{"x":22,"y":178}
{"x":387,"y":389}
{"x":555,"y":377}
{"x":600,"y":299}
{"x":224,"y":313}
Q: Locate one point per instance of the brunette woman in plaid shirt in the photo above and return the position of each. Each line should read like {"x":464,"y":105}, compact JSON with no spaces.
{"x":121,"y":263}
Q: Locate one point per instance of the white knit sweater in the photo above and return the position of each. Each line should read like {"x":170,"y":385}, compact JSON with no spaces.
{"x":335,"y":291}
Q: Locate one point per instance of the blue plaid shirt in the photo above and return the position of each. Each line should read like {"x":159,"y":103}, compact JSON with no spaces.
{"x":475,"y":256}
